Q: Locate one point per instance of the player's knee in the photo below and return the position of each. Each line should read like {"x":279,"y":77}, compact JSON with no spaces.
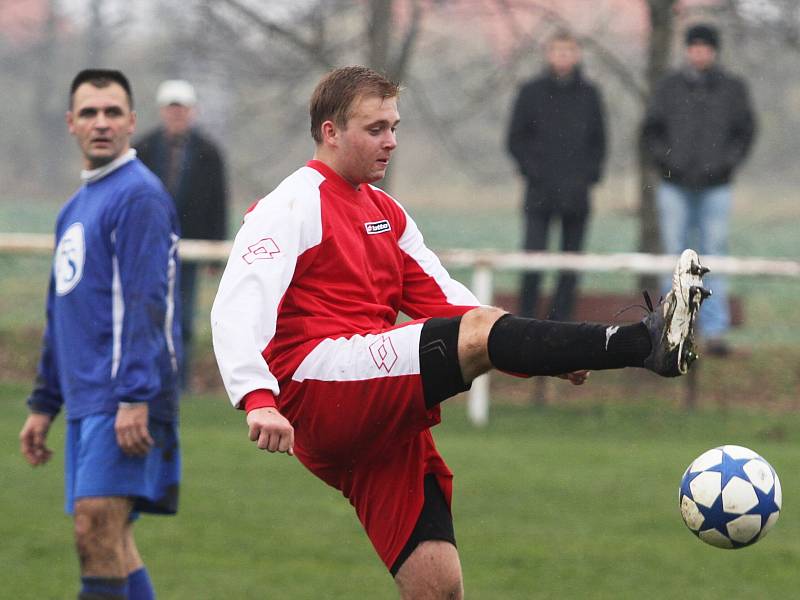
{"x":482,"y":318}
{"x":473,"y":340}
{"x":97,"y":533}
{"x":450,"y":585}
{"x":432,"y":572}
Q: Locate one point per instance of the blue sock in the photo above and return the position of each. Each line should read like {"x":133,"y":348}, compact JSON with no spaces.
{"x":103,"y":588}
{"x":139,"y":586}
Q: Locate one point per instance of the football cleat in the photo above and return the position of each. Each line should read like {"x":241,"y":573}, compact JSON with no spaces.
{"x":671,"y":323}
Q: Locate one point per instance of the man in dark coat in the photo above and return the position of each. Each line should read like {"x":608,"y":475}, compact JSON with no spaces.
{"x":557,"y":138}
{"x":193,"y":171}
{"x":698,"y":129}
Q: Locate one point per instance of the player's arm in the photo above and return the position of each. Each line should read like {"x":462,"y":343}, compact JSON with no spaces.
{"x":244,"y":316}
{"x":145,"y":252}
{"x":45,"y":400}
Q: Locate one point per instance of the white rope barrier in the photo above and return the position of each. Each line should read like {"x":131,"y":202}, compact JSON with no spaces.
{"x":483,"y":263}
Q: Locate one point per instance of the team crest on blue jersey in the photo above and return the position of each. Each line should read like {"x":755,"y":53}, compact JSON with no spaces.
{"x":378,"y":227}
{"x":69,"y":259}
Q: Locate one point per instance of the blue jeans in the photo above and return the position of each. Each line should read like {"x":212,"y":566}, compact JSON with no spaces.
{"x":699,"y":218}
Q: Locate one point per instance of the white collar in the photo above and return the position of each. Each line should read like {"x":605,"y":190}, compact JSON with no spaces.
{"x":97,"y":174}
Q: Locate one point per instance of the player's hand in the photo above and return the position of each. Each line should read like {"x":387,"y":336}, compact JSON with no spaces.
{"x":271,"y":430}
{"x":33,"y":437}
{"x":576,"y":377}
{"x":133,"y":436}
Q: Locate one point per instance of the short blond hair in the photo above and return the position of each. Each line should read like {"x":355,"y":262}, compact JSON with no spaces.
{"x":335,"y":94}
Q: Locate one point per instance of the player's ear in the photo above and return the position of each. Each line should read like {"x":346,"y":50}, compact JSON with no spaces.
{"x":69,"y":117}
{"x":330,"y":133}
{"x":132,"y":125}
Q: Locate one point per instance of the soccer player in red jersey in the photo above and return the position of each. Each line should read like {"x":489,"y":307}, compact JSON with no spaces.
{"x":306,"y":336}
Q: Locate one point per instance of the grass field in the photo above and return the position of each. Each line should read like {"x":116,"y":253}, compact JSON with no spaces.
{"x":575,"y":499}
{"x":572,"y":501}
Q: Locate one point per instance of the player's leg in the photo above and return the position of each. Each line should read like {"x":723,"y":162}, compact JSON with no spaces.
{"x":489,"y":337}
{"x":104,"y":486}
{"x":139,"y":585}
{"x":99,"y":540}
{"x":432,"y":572}
{"x":428,"y":565}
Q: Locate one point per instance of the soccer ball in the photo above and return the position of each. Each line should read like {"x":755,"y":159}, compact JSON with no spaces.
{"x":730,"y":497}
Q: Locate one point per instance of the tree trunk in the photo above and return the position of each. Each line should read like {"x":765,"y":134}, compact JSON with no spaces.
{"x":661,"y":16}
{"x":387,"y":57}
{"x":49,"y":118}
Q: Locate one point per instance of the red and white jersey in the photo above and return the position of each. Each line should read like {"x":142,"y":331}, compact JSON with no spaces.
{"x":318,"y":259}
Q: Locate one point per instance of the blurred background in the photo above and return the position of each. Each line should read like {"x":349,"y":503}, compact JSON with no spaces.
{"x":254,"y":64}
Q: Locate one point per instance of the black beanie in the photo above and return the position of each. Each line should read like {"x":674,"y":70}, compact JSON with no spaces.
{"x":702,"y":34}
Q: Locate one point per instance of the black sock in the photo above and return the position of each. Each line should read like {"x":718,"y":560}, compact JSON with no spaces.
{"x":534,"y":347}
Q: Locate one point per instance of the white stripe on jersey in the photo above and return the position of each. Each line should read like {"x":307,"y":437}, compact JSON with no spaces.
{"x":393,"y":353}
{"x":169,"y":318}
{"x":117,"y":311}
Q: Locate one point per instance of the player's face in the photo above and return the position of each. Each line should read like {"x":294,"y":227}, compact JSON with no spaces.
{"x":563,"y":56}
{"x":102,"y":122}
{"x":701,"y":56}
{"x":364,"y":146}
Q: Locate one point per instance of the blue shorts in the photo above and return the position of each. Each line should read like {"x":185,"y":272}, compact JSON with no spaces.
{"x":94,"y":465}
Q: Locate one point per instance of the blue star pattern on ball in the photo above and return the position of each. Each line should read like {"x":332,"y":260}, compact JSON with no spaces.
{"x":730,"y":497}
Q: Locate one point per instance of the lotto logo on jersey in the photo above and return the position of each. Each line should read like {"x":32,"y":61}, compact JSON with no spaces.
{"x":263,"y":249}
{"x":69,"y":258}
{"x":377,"y":227}
{"x":383,"y":353}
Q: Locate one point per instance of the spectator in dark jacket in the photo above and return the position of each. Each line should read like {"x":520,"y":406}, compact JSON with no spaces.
{"x":698,"y":129}
{"x":193,"y":171}
{"x":557,"y":138}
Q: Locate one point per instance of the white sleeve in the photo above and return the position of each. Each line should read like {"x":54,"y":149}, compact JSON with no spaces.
{"x":259,"y":270}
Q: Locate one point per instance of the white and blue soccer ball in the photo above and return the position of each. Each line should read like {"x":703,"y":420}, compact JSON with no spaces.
{"x":730,"y":497}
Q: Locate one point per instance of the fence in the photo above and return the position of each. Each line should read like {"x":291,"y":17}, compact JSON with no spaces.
{"x":484,"y":263}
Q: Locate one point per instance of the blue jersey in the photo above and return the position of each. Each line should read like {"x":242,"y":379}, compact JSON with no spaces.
{"x":113,"y":332}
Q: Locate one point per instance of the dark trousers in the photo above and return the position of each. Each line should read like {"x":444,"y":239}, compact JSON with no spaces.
{"x":188,"y":295}
{"x":537,"y":230}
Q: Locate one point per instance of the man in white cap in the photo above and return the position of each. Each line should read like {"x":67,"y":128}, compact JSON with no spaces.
{"x":193,"y":171}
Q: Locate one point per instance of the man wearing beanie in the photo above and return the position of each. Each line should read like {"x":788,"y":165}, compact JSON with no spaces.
{"x":698,"y":128}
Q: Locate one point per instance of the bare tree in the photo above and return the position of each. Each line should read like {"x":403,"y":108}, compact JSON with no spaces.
{"x":315,"y":32}
{"x":661,"y":15}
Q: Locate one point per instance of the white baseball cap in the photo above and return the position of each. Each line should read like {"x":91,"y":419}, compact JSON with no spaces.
{"x":176,"y":91}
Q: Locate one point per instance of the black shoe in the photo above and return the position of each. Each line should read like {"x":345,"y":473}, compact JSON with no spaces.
{"x":671,"y":324}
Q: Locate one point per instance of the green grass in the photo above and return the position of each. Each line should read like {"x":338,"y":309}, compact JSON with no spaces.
{"x":573,"y":500}
{"x":570,"y":501}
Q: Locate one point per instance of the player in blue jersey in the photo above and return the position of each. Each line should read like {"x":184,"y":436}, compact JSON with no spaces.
{"x":111,"y":345}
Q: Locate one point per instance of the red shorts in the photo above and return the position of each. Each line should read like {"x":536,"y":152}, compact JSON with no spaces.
{"x":361,"y":426}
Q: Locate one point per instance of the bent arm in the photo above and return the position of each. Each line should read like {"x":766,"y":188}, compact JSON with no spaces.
{"x":245,"y":311}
